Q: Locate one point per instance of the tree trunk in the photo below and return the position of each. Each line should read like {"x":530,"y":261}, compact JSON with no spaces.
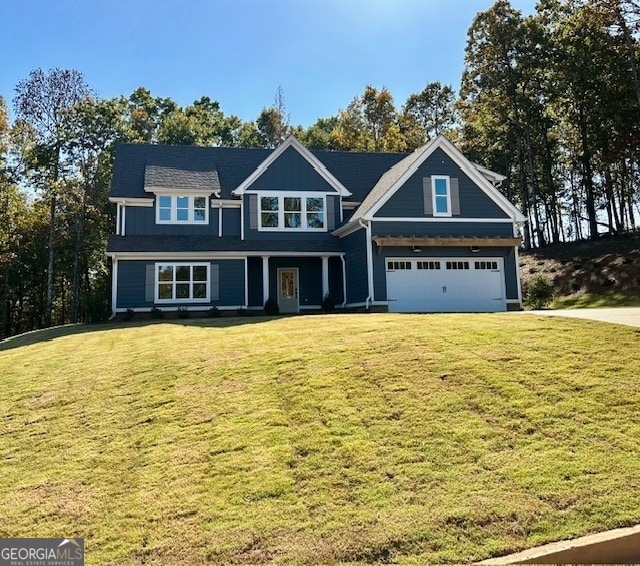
{"x":52,"y":235}
{"x":588,"y":175}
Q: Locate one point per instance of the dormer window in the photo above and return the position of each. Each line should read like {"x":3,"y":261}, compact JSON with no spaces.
{"x":295,"y":212}
{"x":181,"y":209}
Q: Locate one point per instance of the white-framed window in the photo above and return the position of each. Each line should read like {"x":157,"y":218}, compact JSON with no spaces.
{"x":292,"y":211}
{"x":182,"y":282}
{"x":441,"y":195}
{"x":182,"y":209}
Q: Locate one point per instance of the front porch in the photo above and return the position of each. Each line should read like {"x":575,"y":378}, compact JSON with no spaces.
{"x":296,"y":283}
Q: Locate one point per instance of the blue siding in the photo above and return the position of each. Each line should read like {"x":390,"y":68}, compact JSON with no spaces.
{"x":442,"y":229}
{"x":379,"y":265}
{"x":230,"y":222}
{"x":355,"y":246}
{"x":254,"y":268}
{"x":255,"y":234}
{"x":408,"y":201}
{"x":336,"y":289}
{"x":132,"y":283}
{"x":291,"y":172}
{"x":141,"y":221}
{"x":310,"y":278}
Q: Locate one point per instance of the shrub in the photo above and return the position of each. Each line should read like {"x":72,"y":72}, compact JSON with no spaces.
{"x":96,"y":308}
{"x":213,"y":312}
{"x":539,"y":292}
{"x":271,"y":307}
{"x":183,"y":312}
{"x":242,"y":312}
{"x":128,"y":315}
{"x":328,"y":303}
{"x":156,"y":313}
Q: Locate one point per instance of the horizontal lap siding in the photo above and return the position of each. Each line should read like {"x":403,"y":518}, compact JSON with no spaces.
{"x":310,"y":278}
{"x":141,"y":221}
{"x":408,"y":201}
{"x":132,"y":283}
{"x":442,"y":229}
{"x":230,"y":221}
{"x":335,"y":280}
{"x":355,"y":246}
{"x":254,"y":268}
{"x":508,"y":255}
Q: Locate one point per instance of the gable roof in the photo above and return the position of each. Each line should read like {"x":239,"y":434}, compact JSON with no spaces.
{"x":292,"y":142}
{"x":393,"y":179}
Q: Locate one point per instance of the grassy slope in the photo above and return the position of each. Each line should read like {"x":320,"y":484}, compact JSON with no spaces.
{"x":605,"y":273}
{"x":442,"y":438}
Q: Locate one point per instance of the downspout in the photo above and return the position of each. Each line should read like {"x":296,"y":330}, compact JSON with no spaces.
{"x":370,"y":298}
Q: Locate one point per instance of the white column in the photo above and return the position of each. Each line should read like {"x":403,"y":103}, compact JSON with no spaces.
{"x":325,"y":276}
{"x":219,"y":220}
{"x":265,"y":278}
{"x":114,"y":285}
{"x":124,"y":218}
{"x":118,"y":219}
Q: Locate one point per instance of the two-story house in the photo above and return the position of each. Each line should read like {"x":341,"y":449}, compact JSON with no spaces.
{"x":198,"y":227}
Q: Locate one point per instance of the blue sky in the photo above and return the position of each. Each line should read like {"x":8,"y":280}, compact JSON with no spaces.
{"x":322,"y":52}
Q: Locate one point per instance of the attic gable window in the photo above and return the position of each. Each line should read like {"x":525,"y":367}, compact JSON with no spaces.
{"x":441,"y":194}
{"x":181,"y":209}
{"x":295,"y":212}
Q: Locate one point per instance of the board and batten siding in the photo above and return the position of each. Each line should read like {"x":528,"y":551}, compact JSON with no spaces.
{"x":136,"y":283}
{"x":355,"y":247}
{"x":291,"y":172}
{"x":409,"y":200}
{"x":141,"y":221}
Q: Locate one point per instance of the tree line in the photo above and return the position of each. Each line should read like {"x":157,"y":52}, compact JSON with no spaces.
{"x":551,"y":100}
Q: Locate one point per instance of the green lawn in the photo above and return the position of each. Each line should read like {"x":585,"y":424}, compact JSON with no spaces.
{"x":320,"y":439}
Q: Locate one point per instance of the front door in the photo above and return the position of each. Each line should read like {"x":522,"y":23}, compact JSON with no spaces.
{"x":288,"y":289}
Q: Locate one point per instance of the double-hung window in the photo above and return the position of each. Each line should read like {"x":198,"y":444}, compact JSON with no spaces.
{"x":181,"y":282}
{"x":181,"y":209}
{"x":441,"y":194}
{"x":299,"y":212}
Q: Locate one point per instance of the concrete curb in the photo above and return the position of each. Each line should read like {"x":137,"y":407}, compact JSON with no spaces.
{"x":620,"y":546}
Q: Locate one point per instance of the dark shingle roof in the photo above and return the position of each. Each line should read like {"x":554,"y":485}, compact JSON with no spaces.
{"x":172,"y":244}
{"x":358,"y":172}
{"x":174,"y":178}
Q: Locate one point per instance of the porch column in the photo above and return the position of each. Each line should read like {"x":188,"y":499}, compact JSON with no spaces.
{"x":265,"y":278}
{"x":325,"y":276}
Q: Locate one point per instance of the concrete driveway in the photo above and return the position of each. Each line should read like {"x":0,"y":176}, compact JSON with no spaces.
{"x":621,"y":315}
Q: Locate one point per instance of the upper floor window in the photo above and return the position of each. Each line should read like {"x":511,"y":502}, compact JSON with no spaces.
{"x":181,"y":209}
{"x":291,"y":212}
{"x":441,"y":195}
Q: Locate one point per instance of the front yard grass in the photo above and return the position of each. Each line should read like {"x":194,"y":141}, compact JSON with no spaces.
{"x":320,"y":439}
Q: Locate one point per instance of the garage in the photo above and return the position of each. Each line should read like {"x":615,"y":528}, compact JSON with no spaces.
{"x":445,"y":284}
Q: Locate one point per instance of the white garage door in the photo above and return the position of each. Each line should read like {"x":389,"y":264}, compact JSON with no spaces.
{"x":445,"y":285}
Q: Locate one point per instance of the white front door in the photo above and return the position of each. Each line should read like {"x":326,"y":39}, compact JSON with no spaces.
{"x":288,"y":289}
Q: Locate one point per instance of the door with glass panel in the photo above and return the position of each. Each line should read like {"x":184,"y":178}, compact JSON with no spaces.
{"x":288,"y":289}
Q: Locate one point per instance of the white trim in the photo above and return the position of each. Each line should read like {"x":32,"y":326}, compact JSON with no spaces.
{"x":195,"y":192}
{"x":242,"y":219}
{"x":118,"y":219}
{"x":191,"y":208}
{"x":370,"y":285}
{"x":265,"y":278}
{"x":465,"y":165}
{"x":434,"y":197}
{"x":281,"y":195}
{"x":291,"y":141}
{"x":443,"y":219}
{"x":325,"y":275}
{"x":518,"y":282}
{"x":114,"y":284}
{"x":220,"y":221}
{"x":246,"y":282}
{"x":347,"y":229}
{"x":124,"y":219}
{"x":144,"y":202}
{"x":174,"y":282}
{"x":215,"y":255}
{"x":350,"y":205}
{"x":225,"y":203}
{"x":344,"y":281}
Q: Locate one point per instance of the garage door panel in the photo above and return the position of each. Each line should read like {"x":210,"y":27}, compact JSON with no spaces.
{"x":445,"y":285}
